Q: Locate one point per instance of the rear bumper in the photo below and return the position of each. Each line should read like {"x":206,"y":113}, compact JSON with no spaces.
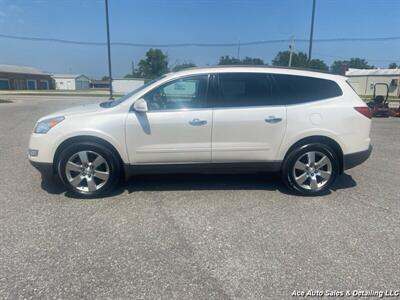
{"x":46,"y":169}
{"x":355,"y":159}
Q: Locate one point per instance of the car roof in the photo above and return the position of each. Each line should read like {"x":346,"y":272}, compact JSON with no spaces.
{"x":255,"y":69}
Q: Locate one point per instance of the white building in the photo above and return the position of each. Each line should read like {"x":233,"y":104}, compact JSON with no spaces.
{"x":71,"y":82}
{"x":123,"y":86}
{"x":364,"y":80}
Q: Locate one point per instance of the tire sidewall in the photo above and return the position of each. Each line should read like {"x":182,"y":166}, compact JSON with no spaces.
{"x":296,"y":153}
{"x":108,"y":155}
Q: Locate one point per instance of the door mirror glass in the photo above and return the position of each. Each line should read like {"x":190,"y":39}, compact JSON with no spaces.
{"x":140,"y":105}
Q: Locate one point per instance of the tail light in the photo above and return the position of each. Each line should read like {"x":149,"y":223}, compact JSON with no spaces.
{"x":364,"y":110}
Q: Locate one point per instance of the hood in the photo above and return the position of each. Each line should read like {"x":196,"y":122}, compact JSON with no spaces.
{"x":76,"y":110}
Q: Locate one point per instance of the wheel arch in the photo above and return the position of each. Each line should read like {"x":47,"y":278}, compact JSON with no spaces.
{"x":84,"y":138}
{"x":319,"y":139}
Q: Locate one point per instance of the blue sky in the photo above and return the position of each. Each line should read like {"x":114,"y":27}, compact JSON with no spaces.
{"x":202,"y":21}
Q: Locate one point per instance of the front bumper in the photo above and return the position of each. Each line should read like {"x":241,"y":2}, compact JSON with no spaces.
{"x":355,"y":159}
{"x":46,"y":169}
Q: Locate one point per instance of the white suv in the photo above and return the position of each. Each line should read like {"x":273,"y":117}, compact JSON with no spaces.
{"x":309,"y":126}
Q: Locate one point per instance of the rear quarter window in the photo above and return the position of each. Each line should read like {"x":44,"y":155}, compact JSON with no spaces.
{"x":293,"y":89}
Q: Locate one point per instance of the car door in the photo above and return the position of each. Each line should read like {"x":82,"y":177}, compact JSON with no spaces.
{"x":248,"y":124}
{"x":177,"y":126}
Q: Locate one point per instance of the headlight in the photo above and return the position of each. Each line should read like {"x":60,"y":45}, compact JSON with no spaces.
{"x":45,"y":125}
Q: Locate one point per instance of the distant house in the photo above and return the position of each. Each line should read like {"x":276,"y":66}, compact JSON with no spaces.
{"x":71,"y":82}
{"x":364,"y":80}
{"x":99,"y":84}
{"x":123,"y":86}
{"x":24,"y":78}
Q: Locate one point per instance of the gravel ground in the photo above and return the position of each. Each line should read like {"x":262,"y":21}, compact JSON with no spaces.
{"x":194,"y":236}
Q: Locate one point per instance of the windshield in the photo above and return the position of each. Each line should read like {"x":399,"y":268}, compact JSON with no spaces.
{"x":116,"y":102}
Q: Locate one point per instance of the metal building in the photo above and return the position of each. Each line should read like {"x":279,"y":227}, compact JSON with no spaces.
{"x":364,"y":80}
{"x":71,"y":82}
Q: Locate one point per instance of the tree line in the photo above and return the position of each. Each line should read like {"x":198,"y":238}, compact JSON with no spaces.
{"x":155,"y":63}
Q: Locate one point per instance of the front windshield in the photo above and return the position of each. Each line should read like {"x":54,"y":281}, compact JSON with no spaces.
{"x":130,"y":94}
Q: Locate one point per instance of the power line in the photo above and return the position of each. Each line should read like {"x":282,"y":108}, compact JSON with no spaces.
{"x":251,"y":43}
{"x":348,"y":58}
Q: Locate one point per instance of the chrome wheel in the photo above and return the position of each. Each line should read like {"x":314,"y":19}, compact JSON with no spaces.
{"x":87,"y":171}
{"x":312,"y":170}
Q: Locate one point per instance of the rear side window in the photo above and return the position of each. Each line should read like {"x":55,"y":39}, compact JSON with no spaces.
{"x":293,"y":89}
{"x":242,"y":89}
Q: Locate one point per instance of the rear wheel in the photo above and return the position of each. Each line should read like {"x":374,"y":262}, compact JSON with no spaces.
{"x":88,"y":169}
{"x":311,"y":169}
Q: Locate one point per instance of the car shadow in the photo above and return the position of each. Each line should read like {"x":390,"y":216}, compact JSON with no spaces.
{"x":201,"y":182}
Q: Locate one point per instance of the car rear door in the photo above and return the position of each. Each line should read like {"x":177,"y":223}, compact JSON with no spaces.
{"x":248,"y":125}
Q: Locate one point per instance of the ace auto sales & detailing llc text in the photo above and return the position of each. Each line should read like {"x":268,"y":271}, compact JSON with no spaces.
{"x":347,"y":293}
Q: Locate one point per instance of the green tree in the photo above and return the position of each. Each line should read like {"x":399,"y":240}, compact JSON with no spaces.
{"x":318,"y":64}
{"x":252,"y":61}
{"x":182,"y":66}
{"x":393,"y":65}
{"x":154,"y":65}
{"x":340,"y":66}
{"x":228,"y":60}
{"x":299,"y":60}
{"x":105,"y":78}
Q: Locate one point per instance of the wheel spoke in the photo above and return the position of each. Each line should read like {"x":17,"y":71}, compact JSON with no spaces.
{"x":324,"y":174}
{"x":313,"y":183}
{"x":101,"y":175}
{"x":91,"y":185}
{"x":83,"y":157}
{"x":89,"y":178}
{"x":300,"y":166}
{"x":76,"y":180}
{"x":303,"y":177}
{"x":322,"y":162}
{"x":73,"y":167}
{"x":311,"y":157}
{"x":98,"y":161}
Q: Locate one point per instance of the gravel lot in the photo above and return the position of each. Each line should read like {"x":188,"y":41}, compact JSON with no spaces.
{"x":194,"y":236}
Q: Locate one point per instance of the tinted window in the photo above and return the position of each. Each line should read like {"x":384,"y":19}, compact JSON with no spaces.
{"x":243,"y":89}
{"x":291,"y":89}
{"x":188,"y":92}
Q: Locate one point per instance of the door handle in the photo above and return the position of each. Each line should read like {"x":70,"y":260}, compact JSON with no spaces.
{"x":197,"y":122}
{"x":273,"y":119}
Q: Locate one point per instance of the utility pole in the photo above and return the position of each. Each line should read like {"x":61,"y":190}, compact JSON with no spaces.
{"x":291,"y":48}
{"x":312,"y":31}
{"x":109,"y":52}
{"x":238,"y":51}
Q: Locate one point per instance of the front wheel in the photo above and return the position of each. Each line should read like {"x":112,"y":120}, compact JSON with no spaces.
{"x":88,"y":169}
{"x":311,"y":169}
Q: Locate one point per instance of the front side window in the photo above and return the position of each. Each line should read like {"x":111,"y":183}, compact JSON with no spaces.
{"x":184,"y":93}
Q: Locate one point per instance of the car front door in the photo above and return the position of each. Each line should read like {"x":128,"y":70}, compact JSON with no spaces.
{"x":177,"y":126}
{"x":248,"y":125}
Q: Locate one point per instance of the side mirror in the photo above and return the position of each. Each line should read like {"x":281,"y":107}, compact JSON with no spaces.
{"x":140,"y":105}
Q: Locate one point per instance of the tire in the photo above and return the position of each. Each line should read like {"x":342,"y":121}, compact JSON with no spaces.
{"x":311,"y":169}
{"x":88,"y":169}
